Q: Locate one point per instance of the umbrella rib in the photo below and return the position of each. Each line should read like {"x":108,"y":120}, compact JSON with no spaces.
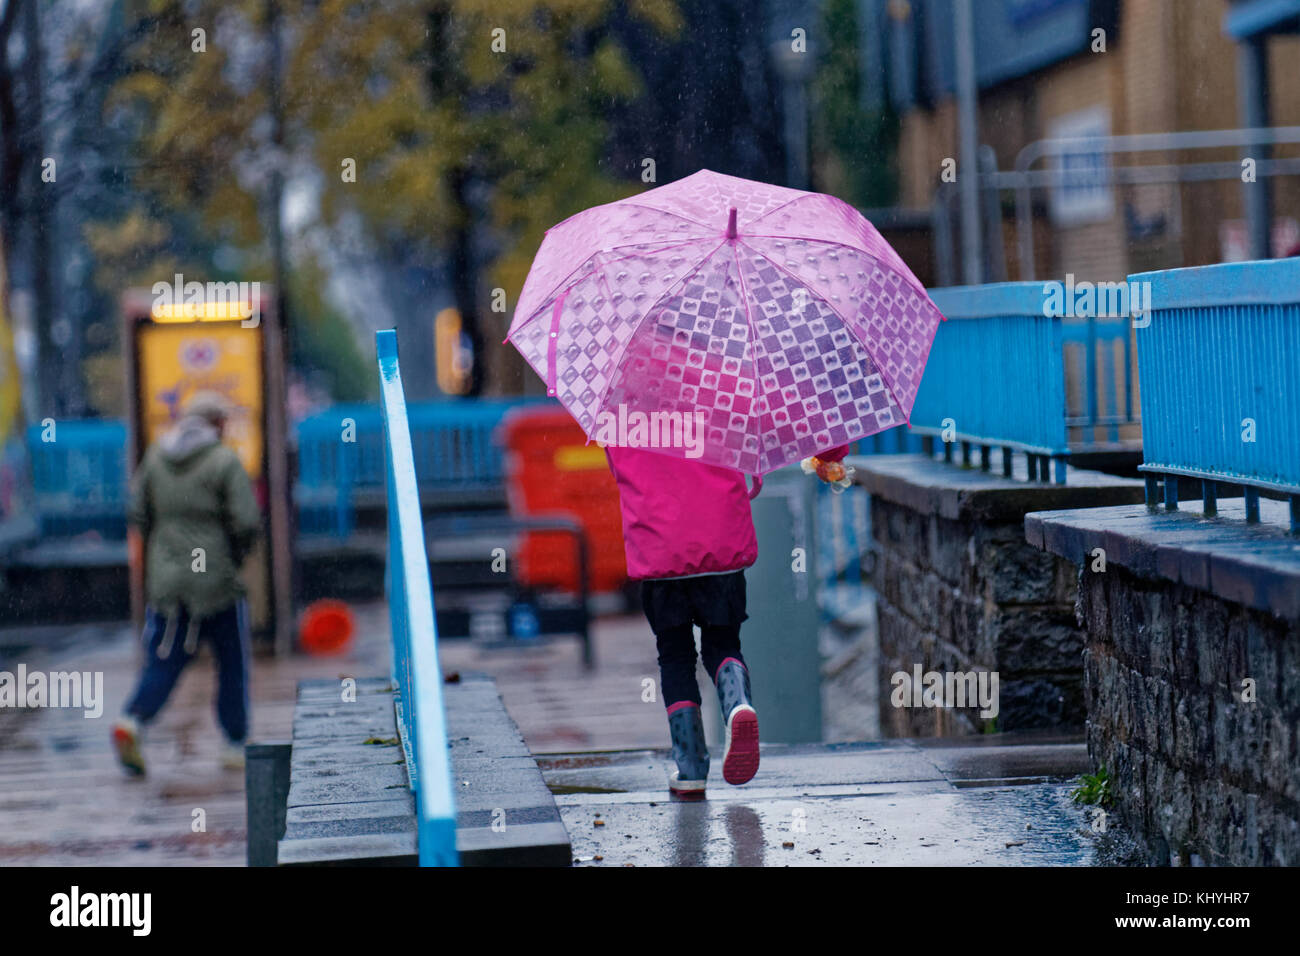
{"x":622,"y":355}
{"x":669,"y":212}
{"x":916,"y":286}
{"x":884,"y":376}
{"x":753,"y":333}
{"x":560,"y":287}
{"x":774,"y":209}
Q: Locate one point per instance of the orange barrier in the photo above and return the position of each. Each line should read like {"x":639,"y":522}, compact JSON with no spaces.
{"x":550,"y":467}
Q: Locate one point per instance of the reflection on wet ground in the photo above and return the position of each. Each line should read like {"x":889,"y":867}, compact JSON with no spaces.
{"x":885,"y":803}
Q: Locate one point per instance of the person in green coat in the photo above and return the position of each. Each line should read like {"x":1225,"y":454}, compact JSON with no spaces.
{"x":193,"y":504}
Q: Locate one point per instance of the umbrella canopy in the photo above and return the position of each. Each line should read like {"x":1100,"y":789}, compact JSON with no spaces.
{"x":777,"y":321}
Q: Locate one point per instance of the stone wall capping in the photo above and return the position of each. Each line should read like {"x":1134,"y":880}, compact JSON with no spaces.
{"x":1254,"y":565}
{"x":931,"y":486}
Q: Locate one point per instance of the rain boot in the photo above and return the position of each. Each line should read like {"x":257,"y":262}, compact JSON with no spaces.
{"x":126,"y":741}
{"x":740,"y":754}
{"x":689,"y":751}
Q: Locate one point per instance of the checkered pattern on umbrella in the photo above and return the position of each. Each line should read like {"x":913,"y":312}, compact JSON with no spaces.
{"x":781,"y":342}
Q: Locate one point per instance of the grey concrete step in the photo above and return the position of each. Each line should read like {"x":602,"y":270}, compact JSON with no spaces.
{"x":349,"y":800}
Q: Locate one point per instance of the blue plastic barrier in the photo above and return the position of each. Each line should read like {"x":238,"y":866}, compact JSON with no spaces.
{"x":421,"y":717}
{"x":340,"y":456}
{"x":1220,"y":368}
{"x":79,"y":478}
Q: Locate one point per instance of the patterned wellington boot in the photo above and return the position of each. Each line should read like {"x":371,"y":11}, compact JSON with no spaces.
{"x":740,"y":756}
{"x":689,"y":751}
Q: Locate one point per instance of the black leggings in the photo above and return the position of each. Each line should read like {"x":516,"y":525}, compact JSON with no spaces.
{"x":677,"y":658}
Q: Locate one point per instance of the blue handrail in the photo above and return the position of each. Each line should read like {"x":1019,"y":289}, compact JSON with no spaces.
{"x":421,"y":717}
{"x":1219,"y":362}
{"x":996,"y":375}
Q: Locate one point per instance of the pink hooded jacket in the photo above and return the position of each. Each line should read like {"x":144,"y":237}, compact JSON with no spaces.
{"x":682,"y":517}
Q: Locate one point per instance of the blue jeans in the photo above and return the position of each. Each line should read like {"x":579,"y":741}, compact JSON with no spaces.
{"x":170,"y":644}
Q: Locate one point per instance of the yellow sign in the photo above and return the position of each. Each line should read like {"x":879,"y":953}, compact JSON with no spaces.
{"x":579,"y":457}
{"x":178,"y":360}
{"x":202,"y":312}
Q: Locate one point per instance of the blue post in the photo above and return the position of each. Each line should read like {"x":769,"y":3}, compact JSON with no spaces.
{"x":1209,"y":498}
{"x":1252,"y":504}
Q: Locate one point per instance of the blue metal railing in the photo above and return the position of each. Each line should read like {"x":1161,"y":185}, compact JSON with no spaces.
{"x":1219,"y":363}
{"x":79,"y":477}
{"x":341,"y":458}
{"x":996,"y":377}
{"x":1099,"y":358}
{"x":421,"y":717}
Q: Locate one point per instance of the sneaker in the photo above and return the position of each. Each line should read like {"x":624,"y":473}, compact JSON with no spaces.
{"x":126,"y":740}
{"x":232,"y":756}
{"x":740,"y":752}
{"x":689,"y":752}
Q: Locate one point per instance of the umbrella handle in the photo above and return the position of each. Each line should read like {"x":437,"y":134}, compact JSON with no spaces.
{"x":757,"y":487}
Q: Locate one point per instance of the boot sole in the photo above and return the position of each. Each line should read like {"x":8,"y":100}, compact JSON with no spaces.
{"x":740,"y":761}
{"x":686,"y":795}
{"x":128,"y":751}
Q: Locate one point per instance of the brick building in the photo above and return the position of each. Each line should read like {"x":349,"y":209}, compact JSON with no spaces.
{"x":1051,"y":69}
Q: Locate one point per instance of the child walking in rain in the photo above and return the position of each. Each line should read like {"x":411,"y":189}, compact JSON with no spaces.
{"x":688,"y":536}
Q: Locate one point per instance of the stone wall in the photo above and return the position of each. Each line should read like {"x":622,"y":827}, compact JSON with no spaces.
{"x":1200,"y":774}
{"x":971,"y":594}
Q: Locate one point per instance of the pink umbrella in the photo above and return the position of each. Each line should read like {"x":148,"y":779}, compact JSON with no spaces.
{"x":778,"y":322}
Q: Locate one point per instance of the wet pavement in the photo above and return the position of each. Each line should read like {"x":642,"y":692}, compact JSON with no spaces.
{"x":990,"y":801}
{"x":887,"y":803}
{"x":65,"y":801}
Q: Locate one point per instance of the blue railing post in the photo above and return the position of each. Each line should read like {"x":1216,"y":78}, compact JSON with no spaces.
{"x":422,"y":720}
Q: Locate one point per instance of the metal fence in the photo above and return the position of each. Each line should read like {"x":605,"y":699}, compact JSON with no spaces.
{"x":1220,"y":369}
{"x":341,"y":457}
{"x":421,"y":717}
{"x":996,"y":377}
{"x":79,"y":477}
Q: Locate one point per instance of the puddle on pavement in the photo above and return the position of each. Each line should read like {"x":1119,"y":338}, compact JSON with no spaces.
{"x":1035,"y":824}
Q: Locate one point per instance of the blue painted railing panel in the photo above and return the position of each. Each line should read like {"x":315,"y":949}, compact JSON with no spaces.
{"x":996,"y":370}
{"x":451,"y":440}
{"x":79,"y":479}
{"x":421,"y":714}
{"x":1222,"y":351}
